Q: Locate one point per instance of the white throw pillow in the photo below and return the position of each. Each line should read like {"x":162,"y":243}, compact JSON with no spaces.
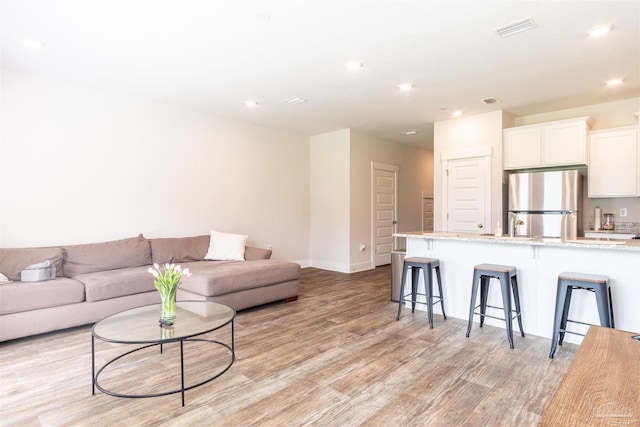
{"x":226,"y":246}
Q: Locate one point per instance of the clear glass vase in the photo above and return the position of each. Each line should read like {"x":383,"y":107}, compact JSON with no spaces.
{"x":168,"y":314}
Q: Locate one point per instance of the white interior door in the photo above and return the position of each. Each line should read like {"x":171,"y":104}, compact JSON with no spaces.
{"x":468,"y":193}
{"x":385,"y":178}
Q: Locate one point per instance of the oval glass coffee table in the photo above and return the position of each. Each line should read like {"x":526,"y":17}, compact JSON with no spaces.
{"x":141,"y":326}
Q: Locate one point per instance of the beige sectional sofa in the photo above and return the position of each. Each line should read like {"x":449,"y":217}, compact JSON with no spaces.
{"x":96,"y":280}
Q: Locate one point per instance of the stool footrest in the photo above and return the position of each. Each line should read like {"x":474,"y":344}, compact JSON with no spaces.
{"x":581,"y":323}
{"x":497,"y":308}
{"x":570,"y":332}
{"x":435,"y":297}
{"x":495,"y":317}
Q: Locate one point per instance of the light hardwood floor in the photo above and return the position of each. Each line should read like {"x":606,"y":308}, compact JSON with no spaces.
{"x":335,"y":357}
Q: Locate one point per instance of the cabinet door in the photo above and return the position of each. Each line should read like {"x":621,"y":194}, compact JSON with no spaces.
{"x":565,"y":144}
{"x":613,"y":167}
{"x":522,"y":148}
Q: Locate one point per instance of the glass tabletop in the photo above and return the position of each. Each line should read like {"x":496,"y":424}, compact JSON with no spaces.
{"x":141,"y":324}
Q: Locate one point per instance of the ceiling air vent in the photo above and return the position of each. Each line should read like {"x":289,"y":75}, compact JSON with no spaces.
{"x":516,"y":27}
{"x":490,"y":101}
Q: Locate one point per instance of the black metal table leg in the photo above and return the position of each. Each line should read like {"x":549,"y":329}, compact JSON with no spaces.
{"x":93,"y":366}
{"x":182,"y":368}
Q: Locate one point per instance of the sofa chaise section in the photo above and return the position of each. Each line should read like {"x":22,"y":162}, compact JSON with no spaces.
{"x":240,"y":284}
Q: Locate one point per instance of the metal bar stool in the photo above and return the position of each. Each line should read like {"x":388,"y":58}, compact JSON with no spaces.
{"x":508,"y":276}
{"x":426,"y":265}
{"x":567,"y":282}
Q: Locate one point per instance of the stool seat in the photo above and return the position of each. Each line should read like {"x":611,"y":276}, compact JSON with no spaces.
{"x":417,"y":261}
{"x":583,"y":277}
{"x":427,"y":265}
{"x":507,"y":275}
{"x":496,"y":268}
{"x":569,"y":281}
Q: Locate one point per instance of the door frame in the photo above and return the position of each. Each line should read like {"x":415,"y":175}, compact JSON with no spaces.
{"x":389,"y":168}
{"x":484,"y":154}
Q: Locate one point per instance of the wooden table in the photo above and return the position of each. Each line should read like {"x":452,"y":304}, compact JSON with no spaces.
{"x":602,"y":385}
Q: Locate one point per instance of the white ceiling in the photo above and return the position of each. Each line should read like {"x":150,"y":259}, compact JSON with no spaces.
{"x":213,"y":55}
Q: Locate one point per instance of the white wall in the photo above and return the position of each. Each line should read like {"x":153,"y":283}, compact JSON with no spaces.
{"x":415,"y":176}
{"x":329,"y":200}
{"x":458,"y":135}
{"x":341,"y":195}
{"x":81,"y":165}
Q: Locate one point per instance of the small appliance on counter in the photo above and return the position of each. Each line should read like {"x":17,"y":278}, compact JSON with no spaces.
{"x":607,"y":224}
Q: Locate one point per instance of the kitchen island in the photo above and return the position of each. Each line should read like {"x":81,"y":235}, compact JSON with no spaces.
{"x":539,"y":261}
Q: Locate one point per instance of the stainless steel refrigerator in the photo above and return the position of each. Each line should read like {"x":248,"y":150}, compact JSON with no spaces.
{"x":545,"y":204}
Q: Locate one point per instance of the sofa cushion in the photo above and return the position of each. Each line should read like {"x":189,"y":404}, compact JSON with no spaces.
{"x":104,"y":285}
{"x":176,"y":250}
{"x":17,"y":296}
{"x":14,"y":260}
{"x":113,"y":255}
{"x":210,"y":278}
{"x":226,"y":246}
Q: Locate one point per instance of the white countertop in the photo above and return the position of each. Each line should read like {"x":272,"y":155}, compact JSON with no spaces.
{"x":609,"y":244}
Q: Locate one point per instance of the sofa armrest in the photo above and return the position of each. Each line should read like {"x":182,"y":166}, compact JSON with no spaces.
{"x":14,"y":260}
{"x":251,"y":253}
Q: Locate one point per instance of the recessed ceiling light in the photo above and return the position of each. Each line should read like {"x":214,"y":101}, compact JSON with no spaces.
{"x":600,"y":30}
{"x":295,"y":100}
{"x":614,"y":82}
{"x":354,"y":65}
{"x":411,"y":132}
{"x":251,"y":103}
{"x":33,"y":44}
{"x":405,"y":87}
{"x":456,"y":113}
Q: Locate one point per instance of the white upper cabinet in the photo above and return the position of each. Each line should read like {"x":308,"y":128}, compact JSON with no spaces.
{"x":522,"y":147}
{"x":561,"y":143}
{"x":565,"y":143}
{"x":615,"y":161}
